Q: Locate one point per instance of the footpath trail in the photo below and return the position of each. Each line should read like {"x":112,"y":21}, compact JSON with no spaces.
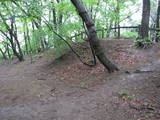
{"x":67,"y":90}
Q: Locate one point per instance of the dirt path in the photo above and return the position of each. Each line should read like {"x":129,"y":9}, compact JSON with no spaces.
{"x":68,"y":90}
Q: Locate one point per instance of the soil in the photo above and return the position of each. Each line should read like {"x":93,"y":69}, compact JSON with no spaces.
{"x":65,"y":89}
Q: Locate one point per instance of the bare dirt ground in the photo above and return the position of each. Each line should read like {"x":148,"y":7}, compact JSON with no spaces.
{"x":65,"y":89}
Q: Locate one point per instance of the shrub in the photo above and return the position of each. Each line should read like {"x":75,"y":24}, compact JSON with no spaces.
{"x":143,"y":43}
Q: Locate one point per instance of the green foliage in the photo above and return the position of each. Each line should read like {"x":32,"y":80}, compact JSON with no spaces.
{"x":158,"y":35}
{"x":125,"y":95}
{"x":129,"y":34}
{"x":37,"y":37}
{"x":41,"y":17}
{"x":143,"y":43}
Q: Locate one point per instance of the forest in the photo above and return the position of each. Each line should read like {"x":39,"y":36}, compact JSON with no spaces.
{"x":79,"y":59}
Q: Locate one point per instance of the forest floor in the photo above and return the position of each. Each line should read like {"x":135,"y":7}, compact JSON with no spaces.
{"x":65,"y":89}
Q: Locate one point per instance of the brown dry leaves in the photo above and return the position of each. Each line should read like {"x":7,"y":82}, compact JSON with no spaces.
{"x":124,"y":58}
{"x":78,"y":70}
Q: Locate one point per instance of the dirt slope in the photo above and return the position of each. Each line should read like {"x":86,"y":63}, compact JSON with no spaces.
{"x":67,"y":90}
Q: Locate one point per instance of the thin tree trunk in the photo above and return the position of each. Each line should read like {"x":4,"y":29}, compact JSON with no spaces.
{"x":54,"y":17}
{"x":8,"y":51}
{"x":60,"y":17}
{"x":14,"y":29}
{"x":29,"y":43}
{"x":93,"y":36}
{"x":3,"y":54}
{"x":25,"y":39}
{"x":118,"y":19}
{"x":157,"y":21}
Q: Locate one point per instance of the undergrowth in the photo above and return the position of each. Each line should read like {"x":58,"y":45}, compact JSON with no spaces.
{"x":143,"y":43}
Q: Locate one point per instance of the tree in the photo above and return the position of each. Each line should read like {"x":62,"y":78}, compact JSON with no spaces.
{"x":157,"y":21}
{"x":145,"y":20}
{"x":94,"y":40}
{"x":36,"y":23}
{"x":12,"y":34}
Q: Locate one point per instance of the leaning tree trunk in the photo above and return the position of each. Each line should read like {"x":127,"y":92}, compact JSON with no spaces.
{"x":145,"y":19}
{"x":157,"y":22}
{"x":93,"y":36}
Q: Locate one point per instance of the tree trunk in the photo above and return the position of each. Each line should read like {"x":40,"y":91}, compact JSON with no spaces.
{"x":54,"y":18}
{"x":25,"y":39}
{"x":60,"y":17}
{"x":3,"y":54}
{"x":145,"y":19}
{"x":14,"y":33}
{"x":8,"y":51}
{"x":118,"y":19}
{"x":93,"y":36}
{"x":157,"y":22}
